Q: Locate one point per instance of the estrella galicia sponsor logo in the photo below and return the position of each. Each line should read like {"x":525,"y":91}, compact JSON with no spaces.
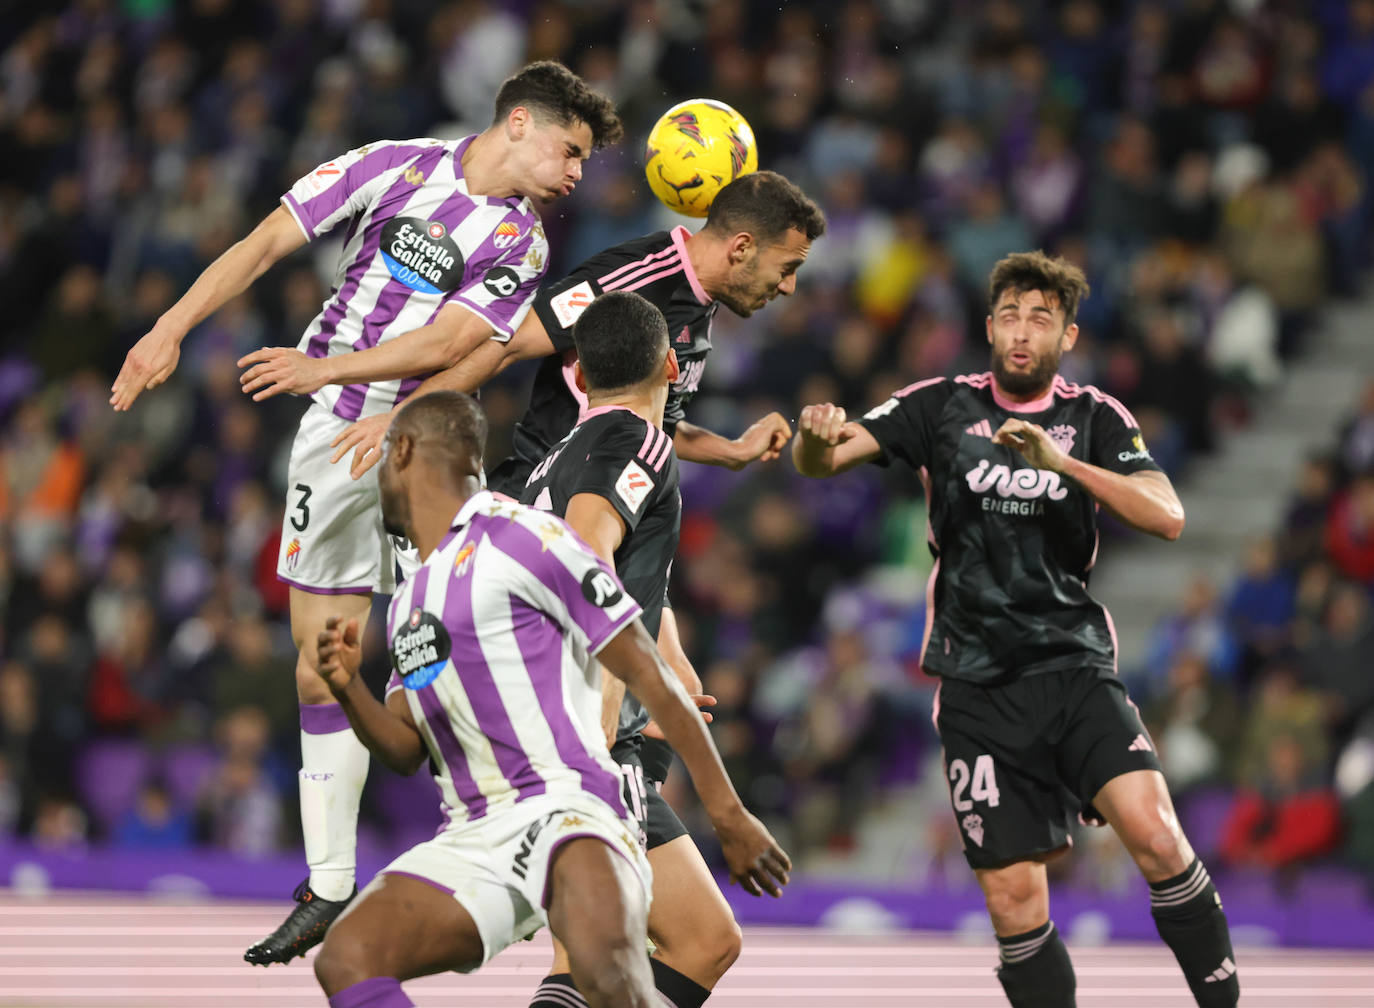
{"x":420,"y":649}
{"x":420,"y":254}
{"x":600,"y":588}
{"x":502,"y":281}
{"x":1018,"y":491}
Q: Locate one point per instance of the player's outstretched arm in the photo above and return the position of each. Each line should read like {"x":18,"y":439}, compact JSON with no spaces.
{"x":364,"y":438}
{"x":762,"y":442}
{"x":1146,"y":500}
{"x":827,"y":442}
{"x":755,"y":859}
{"x":387,"y":730}
{"x":154,"y":357}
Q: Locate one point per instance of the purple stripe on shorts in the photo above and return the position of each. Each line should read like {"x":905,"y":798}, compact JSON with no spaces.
{"x":323,"y":718}
{"x":487,"y":705}
{"x":315,"y":590}
{"x":420,"y":878}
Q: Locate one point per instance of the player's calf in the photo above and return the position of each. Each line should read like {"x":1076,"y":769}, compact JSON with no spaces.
{"x":1188,"y":914}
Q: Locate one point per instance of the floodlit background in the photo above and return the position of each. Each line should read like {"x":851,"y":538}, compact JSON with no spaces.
{"x":1209,"y":165}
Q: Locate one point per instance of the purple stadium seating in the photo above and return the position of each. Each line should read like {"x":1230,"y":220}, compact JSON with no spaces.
{"x":109,"y":773}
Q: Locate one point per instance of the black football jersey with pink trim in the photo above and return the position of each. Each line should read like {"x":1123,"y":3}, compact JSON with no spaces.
{"x":1013,"y":544}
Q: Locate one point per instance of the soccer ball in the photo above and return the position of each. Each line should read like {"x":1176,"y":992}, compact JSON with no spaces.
{"x":694,"y":150}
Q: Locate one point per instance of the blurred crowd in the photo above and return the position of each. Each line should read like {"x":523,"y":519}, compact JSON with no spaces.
{"x":1207,"y":164}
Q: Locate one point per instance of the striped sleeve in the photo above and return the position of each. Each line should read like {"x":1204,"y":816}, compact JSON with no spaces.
{"x":564,"y":578}
{"x":628,"y":467}
{"x":501,"y":285}
{"x":344,"y":187}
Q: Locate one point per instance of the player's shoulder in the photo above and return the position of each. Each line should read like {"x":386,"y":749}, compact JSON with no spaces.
{"x":400,"y":151}
{"x":1092,"y":399}
{"x":920,"y":394}
{"x":634,"y":250}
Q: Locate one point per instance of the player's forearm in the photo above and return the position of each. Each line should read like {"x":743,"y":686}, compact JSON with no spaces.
{"x":391,"y":740}
{"x":633,"y":657}
{"x":697,"y":444}
{"x":223,"y":280}
{"x":434,"y":347}
{"x":612,"y":696}
{"x":1145,"y":503}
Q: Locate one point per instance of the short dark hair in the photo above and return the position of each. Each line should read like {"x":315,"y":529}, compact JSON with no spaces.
{"x":766,"y":205}
{"x":1055,"y":277}
{"x":549,"y":89}
{"x":448,"y":422}
{"x":621,"y":340}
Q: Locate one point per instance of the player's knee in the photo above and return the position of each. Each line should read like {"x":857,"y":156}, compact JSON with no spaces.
{"x":1016,"y":904}
{"x":1161,"y":850}
{"x":604,"y":973}
{"x":725,"y":946}
{"x":341,"y":962}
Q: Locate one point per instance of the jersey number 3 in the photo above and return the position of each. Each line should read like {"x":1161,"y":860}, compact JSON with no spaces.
{"x":303,"y":507}
{"x":984,"y":787}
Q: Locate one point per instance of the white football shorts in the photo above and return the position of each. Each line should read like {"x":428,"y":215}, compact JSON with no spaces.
{"x":498,"y":866}
{"x":332,"y":540}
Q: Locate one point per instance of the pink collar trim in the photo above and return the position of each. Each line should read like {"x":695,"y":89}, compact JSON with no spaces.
{"x":1034,"y":406}
{"x":680,"y":236}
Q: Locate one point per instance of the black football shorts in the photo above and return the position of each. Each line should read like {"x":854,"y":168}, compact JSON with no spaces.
{"x":1025,"y":757}
{"x":657,"y":820}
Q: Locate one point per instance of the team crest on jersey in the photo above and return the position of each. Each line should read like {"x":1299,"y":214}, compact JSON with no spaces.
{"x":420,"y":649}
{"x":973,"y":826}
{"x":1062,"y":435}
{"x":569,"y":305}
{"x":419,"y":258}
{"x":293,"y":553}
{"x":463,"y":561}
{"x":506,"y":234}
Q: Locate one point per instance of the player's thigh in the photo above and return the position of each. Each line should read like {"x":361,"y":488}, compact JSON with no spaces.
{"x":310,"y":610}
{"x":1139,"y":809}
{"x":687,"y":907}
{"x":398,"y":926}
{"x":1003,"y":786}
{"x":1103,"y":739}
{"x":596,"y":902}
{"x":332,"y":538}
{"x":1017,"y":896}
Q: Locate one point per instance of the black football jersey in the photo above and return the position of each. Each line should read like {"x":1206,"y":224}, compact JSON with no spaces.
{"x":616,"y":454}
{"x":1013,"y":544}
{"x":656,"y":267}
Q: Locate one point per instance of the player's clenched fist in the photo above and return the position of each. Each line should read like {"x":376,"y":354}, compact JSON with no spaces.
{"x":340,"y":653}
{"x":822,"y":422}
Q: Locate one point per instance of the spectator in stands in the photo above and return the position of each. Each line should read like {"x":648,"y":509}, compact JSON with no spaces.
{"x":1350,"y":530}
{"x":1195,"y":723}
{"x":1336,"y":660}
{"x":1261,"y":606}
{"x":153,"y":823}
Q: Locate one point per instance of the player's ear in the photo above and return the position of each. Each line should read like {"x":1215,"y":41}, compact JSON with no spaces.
{"x":740,"y":247}
{"x":988,"y":324}
{"x":1069,"y":338}
{"x":402,"y":449}
{"x":673,"y":370}
{"x":517,"y":122}
{"x":579,"y":378}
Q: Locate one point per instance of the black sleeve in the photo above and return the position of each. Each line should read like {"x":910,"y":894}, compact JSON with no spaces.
{"x":1116,"y":442}
{"x":558,"y":305}
{"x":902,"y":425}
{"x":616,"y":471}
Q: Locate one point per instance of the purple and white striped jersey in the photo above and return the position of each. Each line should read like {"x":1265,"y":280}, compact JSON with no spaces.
{"x":416,"y":241}
{"x":492,"y":640}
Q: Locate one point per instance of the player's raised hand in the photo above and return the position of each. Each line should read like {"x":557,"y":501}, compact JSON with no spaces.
{"x":764,"y":440}
{"x":274,"y":370}
{"x":652,"y":730}
{"x":147,"y":365}
{"x":755,"y":860}
{"x":340,"y":653}
{"x":365,"y":439}
{"x":825,"y":423}
{"x":1035,"y":446}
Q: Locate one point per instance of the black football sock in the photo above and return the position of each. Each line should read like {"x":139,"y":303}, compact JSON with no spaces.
{"x":1187,"y":912}
{"x":681,"y":991}
{"x":557,"y":991}
{"x":1036,"y":971}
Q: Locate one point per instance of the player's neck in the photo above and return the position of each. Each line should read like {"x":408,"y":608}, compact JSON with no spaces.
{"x":484,"y":166}
{"x":645,"y":406}
{"x":709,"y":265}
{"x":1020,"y":398}
{"x":432,"y":516}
